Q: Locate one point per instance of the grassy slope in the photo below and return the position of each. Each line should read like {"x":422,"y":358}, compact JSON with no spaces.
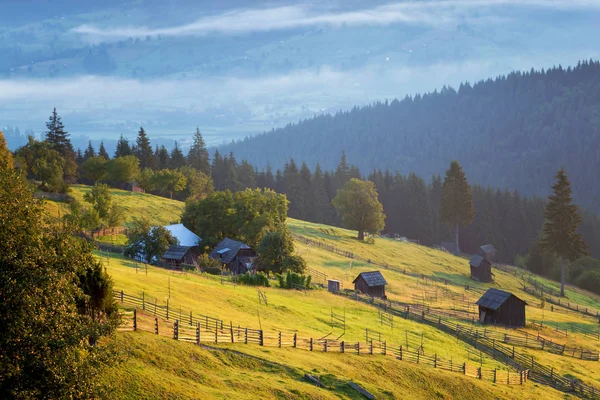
{"x":310,"y":314}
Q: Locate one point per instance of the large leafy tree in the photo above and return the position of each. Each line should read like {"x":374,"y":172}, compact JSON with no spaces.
{"x":123,"y":169}
{"x":358,"y":205}
{"x":199,"y":185}
{"x":276,"y":253}
{"x":168,"y":181}
{"x":211,"y":217}
{"x":6,"y":159}
{"x":560,"y":236}
{"x":43,"y":164}
{"x":94,"y":169}
{"x":456,"y":204}
{"x":147,"y":241}
{"x":198,"y":155}
{"x":55,"y":302}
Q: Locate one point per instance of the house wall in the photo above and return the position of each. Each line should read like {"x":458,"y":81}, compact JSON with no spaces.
{"x":483,"y":273}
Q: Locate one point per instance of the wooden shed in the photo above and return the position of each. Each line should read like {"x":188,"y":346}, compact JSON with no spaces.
{"x":501,"y":308}
{"x":177,"y":255}
{"x":236,"y":256}
{"x":488,"y":252}
{"x":481,"y":269}
{"x":333,"y":286}
{"x":370,"y":283}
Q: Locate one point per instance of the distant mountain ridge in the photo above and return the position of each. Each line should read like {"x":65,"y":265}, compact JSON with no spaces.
{"x":514,"y":131}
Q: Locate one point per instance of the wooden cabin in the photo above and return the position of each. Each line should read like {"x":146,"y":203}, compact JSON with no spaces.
{"x":177,"y":255}
{"x":488,"y":252}
{"x":334,"y":286}
{"x":481,"y":269}
{"x":501,"y":308}
{"x":370,"y":283}
{"x":236,"y":256}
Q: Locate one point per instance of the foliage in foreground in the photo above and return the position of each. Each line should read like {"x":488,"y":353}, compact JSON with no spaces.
{"x":55,"y":302}
{"x":293,"y":280}
{"x":257,"y":279}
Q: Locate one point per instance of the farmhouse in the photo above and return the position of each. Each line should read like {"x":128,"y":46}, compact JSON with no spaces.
{"x":488,"y":251}
{"x":177,"y":255}
{"x":183,"y":235}
{"x":481,"y":269}
{"x":502,"y":308}
{"x":236,"y":256}
{"x":371,"y":283}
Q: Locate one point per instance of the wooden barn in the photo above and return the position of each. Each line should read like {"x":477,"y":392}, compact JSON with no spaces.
{"x":501,"y":308}
{"x":236,"y":256}
{"x":488,"y":251}
{"x":481,"y":269}
{"x":370,"y":283}
{"x":177,"y":255}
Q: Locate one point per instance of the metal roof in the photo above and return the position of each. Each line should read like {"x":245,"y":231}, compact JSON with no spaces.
{"x":233,"y":247}
{"x":477,"y":260}
{"x":488,"y":249}
{"x":184,"y":235}
{"x":494,"y":298}
{"x":176,"y":252}
{"x":373,"y":278}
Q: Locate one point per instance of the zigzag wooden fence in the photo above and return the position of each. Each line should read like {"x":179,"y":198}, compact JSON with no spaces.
{"x":497,"y":349}
{"x":197,"y":329}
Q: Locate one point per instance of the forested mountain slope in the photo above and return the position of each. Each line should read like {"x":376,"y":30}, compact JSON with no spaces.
{"x":514,"y":131}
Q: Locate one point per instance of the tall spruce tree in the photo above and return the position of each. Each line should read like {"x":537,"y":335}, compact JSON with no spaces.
{"x":456,"y":205}
{"x":559,"y":234}
{"x":198,"y":155}
{"x":102,"y":151}
{"x":163,"y":160}
{"x":89,"y":151}
{"x":177,"y":157}
{"x":143,"y":150}
{"x":123,"y":148}
{"x":57,"y":137}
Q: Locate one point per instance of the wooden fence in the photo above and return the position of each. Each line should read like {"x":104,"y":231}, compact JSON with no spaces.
{"x":196,"y":328}
{"x":498,"y":349}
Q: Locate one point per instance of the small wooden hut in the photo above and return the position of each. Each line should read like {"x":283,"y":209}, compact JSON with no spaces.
{"x":333,"y":286}
{"x":501,"y":308}
{"x":177,"y":255}
{"x":236,"y":256}
{"x":488,"y":251}
{"x":370,"y":283}
{"x":481,"y":269}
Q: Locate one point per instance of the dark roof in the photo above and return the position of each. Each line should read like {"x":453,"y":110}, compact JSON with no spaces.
{"x":488,"y":249}
{"x":449,"y":246}
{"x":176,"y":252}
{"x":227,"y":256}
{"x":373,"y":278}
{"x":494,"y":298}
{"x":477,"y":260}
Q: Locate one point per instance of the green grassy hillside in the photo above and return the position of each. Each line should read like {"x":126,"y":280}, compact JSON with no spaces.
{"x":154,"y":366}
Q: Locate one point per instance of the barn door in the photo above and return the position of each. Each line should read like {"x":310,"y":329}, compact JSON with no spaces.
{"x":482,"y":316}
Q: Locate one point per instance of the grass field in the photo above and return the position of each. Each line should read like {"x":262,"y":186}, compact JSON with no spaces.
{"x":309,"y":314}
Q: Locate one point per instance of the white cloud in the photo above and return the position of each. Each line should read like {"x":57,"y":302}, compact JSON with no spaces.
{"x":432,"y":13}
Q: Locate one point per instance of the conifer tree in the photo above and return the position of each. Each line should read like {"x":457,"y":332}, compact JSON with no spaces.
{"x":89,"y":151}
{"x":562,"y":219}
{"x":102,"y":151}
{"x":269,"y":178}
{"x":177,"y":157}
{"x":198,"y":155}
{"x":163,"y":160}
{"x":342,"y":172}
{"x":57,"y":137}
{"x":456,"y":205}
{"x":143,"y":150}
{"x":79,"y":157}
{"x":123,"y":148}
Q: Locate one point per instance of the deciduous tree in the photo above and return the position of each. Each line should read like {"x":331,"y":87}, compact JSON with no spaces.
{"x":358,"y":205}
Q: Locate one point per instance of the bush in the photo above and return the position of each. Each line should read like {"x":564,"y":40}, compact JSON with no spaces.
{"x":212,"y":270}
{"x":294,"y":281}
{"x":205,"y":262}
{"x":258,"y":279}
{"x":589,"y":280}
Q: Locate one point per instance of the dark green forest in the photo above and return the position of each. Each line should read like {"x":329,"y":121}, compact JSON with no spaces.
{"x":511,"y":132}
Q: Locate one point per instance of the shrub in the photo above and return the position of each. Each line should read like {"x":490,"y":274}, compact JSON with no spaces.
{"x":258,"y":279}
{"x":212,"y":270}
{"x":205,"y":262}
{"x":294,"y":281}
{"x":589,"y":280}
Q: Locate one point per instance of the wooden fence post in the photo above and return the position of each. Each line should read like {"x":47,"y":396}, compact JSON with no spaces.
{"x":508,"y":377}
{"x":134,"y":319}
{"x":342,"y":347}
{"x":521,"y":378}
{"x":231,"y":330}
{"x":435,"y":360}
{"x":246,"y":335}
{"x":155,"y":301}
{"x":156,"y":325}
{"x":325,"y":346}
{"x":167,"y":308}
{"x":418,"y":355}
{"x":143,"y":301}
{"x":495,"y":372}
{"x":310,"y":344}
{"x":176,"y":330}
{"x":261,"y":337}
{"x":371,"y":347}
{"x":191,"y":319}
{"x":121,"y":296}
{"x":465,"y":368}
{"x":216,"y":335}
{"x":295,"y":339}
{"x":400,"y":352}
{"x":279,"y":340}
{"x":198,"y":333}
{"x":384,"y":348}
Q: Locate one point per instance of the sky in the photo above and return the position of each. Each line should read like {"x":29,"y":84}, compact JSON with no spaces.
{"x":249,"y":102}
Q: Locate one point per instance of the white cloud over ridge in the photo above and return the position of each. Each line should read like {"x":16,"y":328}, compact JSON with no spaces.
{"x":242,"y":21}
